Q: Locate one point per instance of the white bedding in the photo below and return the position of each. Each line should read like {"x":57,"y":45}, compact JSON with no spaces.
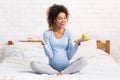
{"x":15,"y":65}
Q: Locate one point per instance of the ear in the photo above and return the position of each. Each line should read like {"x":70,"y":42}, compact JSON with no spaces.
{"x":54,"y":21}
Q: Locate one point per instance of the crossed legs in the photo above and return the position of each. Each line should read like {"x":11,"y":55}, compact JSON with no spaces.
{"x":74,"y":67}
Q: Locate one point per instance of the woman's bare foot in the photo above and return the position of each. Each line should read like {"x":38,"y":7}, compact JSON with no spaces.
{"x":59,"y":73}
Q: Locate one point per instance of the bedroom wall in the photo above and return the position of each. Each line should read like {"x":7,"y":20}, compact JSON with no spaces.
{"x":99,"y":18}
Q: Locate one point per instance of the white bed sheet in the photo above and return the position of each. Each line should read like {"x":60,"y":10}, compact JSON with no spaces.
{"x":101,"y":66}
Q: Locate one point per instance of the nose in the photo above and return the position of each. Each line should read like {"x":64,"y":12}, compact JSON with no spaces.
{"x":64,"y":20}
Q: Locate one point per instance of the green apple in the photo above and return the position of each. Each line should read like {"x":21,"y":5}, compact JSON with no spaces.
{"x":85,"y":36}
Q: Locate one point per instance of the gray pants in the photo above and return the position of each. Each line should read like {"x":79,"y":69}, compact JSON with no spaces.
{"x":74,"y":67}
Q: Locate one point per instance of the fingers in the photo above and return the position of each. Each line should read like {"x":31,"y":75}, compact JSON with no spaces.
{"x":85,"y":39}
{"x":80,"y":40}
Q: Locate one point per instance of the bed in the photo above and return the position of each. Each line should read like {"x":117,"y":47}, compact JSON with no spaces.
{"x":18,"y":55}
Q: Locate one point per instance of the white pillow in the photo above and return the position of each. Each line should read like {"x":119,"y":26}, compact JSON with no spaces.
{"x":1,"y":52}
{"x":2,"y":46}
{"x":26,"y":52}
{"x":89,"y":43}
{"x":88,"y":49}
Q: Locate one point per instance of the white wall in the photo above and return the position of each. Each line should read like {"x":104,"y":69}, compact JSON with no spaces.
{"x":22,"y":18}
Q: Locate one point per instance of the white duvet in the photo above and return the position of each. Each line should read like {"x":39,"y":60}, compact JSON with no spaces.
{"x":15,"y":65}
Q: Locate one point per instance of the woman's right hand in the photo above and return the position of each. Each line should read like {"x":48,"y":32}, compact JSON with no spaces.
{"x":39,"y":40}
{"x":42,"y":41}
{"x":34,"y":40}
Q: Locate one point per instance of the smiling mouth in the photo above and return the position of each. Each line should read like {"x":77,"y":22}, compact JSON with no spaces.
{"x":62,"y":24}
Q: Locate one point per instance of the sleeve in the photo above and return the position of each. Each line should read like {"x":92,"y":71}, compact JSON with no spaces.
{"x":71,"y":50}
{"x":47,"y":46}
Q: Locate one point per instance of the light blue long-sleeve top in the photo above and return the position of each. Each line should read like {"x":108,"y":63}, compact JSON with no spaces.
{"x":59,"y":50}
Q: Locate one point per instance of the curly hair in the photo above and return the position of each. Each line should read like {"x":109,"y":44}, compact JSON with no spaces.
{"x":53,"y":12}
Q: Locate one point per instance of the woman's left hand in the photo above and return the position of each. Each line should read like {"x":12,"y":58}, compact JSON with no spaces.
{"x":80,"y":40}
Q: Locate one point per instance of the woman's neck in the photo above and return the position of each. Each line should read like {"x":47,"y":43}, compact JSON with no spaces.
{"x":59,"y":32}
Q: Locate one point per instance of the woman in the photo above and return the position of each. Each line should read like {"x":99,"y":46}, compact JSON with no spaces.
{"x":58,"y":45}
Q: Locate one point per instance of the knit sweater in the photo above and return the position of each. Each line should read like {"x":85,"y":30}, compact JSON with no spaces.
{"x":59,"y":50}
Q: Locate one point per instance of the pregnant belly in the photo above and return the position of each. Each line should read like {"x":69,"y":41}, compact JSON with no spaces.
{"x":59,"y":62}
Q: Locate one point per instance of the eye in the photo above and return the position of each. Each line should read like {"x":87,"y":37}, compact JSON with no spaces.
{"x":65,"y":17}
{"x":59,"y":18}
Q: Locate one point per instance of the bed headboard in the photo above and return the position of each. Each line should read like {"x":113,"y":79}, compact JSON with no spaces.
{"x":104,"y":45}
{"x":100,"y":45}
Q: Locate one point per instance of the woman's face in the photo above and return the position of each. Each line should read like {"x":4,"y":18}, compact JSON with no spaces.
{"x":61,"y":20}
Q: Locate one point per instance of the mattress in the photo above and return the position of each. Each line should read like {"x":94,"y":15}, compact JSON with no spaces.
{"x":17,"y":58}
